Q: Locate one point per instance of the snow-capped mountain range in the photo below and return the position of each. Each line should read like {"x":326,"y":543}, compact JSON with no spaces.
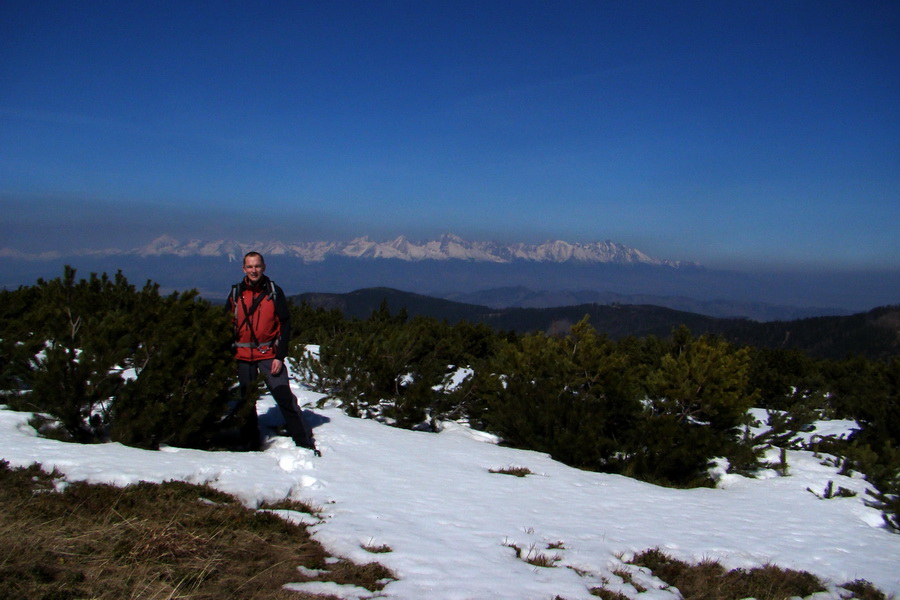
{"x":447,"y":247}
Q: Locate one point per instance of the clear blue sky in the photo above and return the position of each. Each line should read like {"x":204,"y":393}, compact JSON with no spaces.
{"x":731,"y":134}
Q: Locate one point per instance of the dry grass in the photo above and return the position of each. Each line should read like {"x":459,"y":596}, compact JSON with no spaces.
{"x":149,"y":542}
{"x":628,"y":578}
{"x":607,"y":594}
{"x":708,"y":580}
{"x":370,"y":546}
{"x":515,"y":471}
{"x":863,"y":590}
{"x":534,"y":556}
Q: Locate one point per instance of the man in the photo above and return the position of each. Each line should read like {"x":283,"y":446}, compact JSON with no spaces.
{"x":262,"y":326}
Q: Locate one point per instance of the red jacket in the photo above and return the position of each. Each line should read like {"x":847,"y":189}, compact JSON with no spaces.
{"x":266,"y":333}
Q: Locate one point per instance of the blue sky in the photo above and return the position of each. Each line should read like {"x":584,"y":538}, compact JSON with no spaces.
{"x":755,"y":134}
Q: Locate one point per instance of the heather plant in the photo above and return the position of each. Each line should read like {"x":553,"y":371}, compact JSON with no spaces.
{"x":514,"y":471}
{"x":708,"y":580}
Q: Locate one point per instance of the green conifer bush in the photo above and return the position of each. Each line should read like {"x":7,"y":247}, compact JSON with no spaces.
{"x":697,"y":405}
{"x":392,"y":368}
{"x":83,"y":328}
{"x":184,"y":371}
{"x":573,"y":397}
{"x":71,"y":340}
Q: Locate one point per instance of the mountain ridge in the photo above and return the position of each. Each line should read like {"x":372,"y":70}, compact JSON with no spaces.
{"x":524,"y":297}
{"x":874,"y":333}
{"x":444,"y":248}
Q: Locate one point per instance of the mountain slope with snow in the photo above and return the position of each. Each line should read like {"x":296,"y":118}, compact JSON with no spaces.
{"x":450,"y":522}
{"x":447,"y":247}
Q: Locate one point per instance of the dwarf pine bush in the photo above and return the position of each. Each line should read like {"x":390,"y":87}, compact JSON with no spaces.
{"x":82,"y":333}
{"x":573,"y":397}
{"x":184,"y":368}
{"x":70,"y":341}
{"x":697,"y":403}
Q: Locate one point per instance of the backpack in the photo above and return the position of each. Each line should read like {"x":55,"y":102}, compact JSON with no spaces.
{"x":271,"y":293}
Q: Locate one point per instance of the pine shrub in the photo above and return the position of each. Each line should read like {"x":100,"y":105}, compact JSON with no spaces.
{"x":85,"y":334}
{"x":184,"y":371}
{"x":70,"y":341}
{"x":697,"y":405}
{"x":573,"y":397}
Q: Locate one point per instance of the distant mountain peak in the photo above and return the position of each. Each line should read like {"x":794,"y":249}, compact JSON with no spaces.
{"x":446,"y":247}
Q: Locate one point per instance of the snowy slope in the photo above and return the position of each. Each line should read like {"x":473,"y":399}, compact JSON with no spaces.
{"x":451,"y":523}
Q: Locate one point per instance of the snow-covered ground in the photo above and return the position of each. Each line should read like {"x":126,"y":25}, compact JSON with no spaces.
{"x":451,"y":523}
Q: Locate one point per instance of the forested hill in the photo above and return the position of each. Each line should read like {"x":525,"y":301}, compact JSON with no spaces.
{"x":874,"y":334}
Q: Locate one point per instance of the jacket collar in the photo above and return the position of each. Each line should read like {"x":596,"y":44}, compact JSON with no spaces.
{"x":258,"y":287}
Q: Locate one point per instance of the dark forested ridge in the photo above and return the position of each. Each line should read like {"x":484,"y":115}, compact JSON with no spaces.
{"x":874,"y":334}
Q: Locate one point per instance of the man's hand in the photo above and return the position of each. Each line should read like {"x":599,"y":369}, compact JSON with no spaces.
{"x":276,"y":366}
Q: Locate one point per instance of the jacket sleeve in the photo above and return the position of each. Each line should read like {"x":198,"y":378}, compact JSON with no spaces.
{"x":283,"y":311}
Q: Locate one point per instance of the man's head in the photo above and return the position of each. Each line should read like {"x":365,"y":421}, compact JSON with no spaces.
{"x":254,"y":266}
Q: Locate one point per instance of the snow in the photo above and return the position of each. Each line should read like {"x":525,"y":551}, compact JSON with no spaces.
{"x":446,"y":247}
{"x":451,"y":524}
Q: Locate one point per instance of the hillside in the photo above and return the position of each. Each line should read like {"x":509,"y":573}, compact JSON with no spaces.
{"x":875,"y":334}
{"x":523,"y":297}
{"x":439,"y":511}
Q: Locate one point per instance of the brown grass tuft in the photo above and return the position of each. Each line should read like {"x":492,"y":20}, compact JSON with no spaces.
{"x":149,"y":541}
{"x":608,"y":594}
{"x":708,"y":580}
{"x":514,"y":471}
{"x":863,"y":590}
{"x":534,"y":556}
{"x":370,"y":546}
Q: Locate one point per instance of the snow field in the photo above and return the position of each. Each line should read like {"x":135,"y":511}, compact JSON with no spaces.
{"x":452,"y":526}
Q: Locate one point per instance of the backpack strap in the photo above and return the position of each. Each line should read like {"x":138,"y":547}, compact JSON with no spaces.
{"x":248,"y":312}
{"x":237,"y":296}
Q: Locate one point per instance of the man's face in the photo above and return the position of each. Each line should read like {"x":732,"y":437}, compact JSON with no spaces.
{"x":254,"y":268}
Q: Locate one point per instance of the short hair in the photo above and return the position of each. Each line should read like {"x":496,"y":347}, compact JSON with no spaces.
{"x":249,"y":254}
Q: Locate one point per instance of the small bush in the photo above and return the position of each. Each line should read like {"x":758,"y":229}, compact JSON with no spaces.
{"x":66,"y":344}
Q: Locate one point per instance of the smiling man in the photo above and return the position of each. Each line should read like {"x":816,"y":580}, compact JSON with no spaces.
{"x":262,"y":331}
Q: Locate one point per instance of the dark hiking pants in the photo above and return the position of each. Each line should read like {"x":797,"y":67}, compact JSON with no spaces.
{"x":280,"y":388}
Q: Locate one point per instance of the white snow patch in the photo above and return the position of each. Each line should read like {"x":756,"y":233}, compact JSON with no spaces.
{"x":449,"y":521}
